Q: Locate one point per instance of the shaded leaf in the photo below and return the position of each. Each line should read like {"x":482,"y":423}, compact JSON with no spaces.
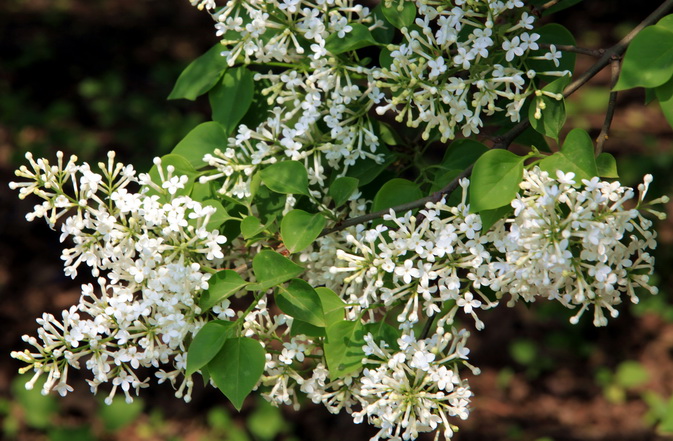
{"x":552,"y":33}
{"x":202,"y":139}
{"x":342,"y":188}
{"x":181,"y":167}
{"x":200,"y":75}
{"x":299,"y":300}
{"x":606,"y":166}
{"x":231,"y":98}
{"x":664,"y":95}
{"x":357,"y":38}
{"x":490,"y":217}
{"x":366,"y":170}
{"x":400,"y":14}
{"x":551,"y":112}
{"x":395,"y":192}
{"x":382,"y":331}
{"x":462,"y":153}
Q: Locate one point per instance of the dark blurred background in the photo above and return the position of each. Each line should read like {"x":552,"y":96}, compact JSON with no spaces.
{"x":87,"y":76}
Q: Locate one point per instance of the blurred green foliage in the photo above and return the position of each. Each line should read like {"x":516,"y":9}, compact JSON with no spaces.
{"x":48,"y":416}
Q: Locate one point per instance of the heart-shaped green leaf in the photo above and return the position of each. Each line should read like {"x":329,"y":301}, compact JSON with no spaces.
{"x":299,"y":229}
{"x":495,"y":179}
{"x":237,"y":368}
{"x":207,"y":343}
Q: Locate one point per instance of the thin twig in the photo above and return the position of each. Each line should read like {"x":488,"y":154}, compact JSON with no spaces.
{"x":504,"y":141}
{"x":612,"y":104}
{"x":538,"y":10}
{"x":618,"y":49}
{"x":575,"y":49}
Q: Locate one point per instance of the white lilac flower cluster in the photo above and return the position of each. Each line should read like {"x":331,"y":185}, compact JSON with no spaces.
{"x":574,"y":243}
{"x":410,"y":389}
{"x":148,"y":251}
{"x":452,"y":68}
{"x":462,"y":64}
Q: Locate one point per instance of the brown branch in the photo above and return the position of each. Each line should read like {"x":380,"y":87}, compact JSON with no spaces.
{"x":503,"y":142}
{"x":612,"y":104}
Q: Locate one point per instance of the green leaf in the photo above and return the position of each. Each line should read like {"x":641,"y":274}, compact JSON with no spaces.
{"x":287,"y":177}
{"x":333,"y":311}
{"x":551,"y":119}
{"x":332,"y":305}
{"x":387,"y":134}
{"x":200,"y":76}
{"x":181,"y":167}
{"x":552,"y":112}
{"x":201,"y":192}
{"x":495,"y":180}
{"x":532,"y":138}
{"x":462,"y":153}
{"x":631,"y":374}
{"x":39,"y":410}
{"x":117,"y":414}
{"x":401,"y":14}
{"x":237,"y":368}
{"x":231,"y":98}
{"x":666,"y":425}
{"x":202,"y":139}
{"x":385,"y":33}
{"x":216,"y":219}
{"x":207,"y":343}
{"x":342,"y":188}
{"x":563,"y":4}
{"x":299,"y":300}
{"x":269,"y":204}
{"x":606,"y":166}
{"x":576,"y":156}
{"x":395,"y":192}
{"x":666,"y":22}
{"x":251,"y":227}
{"x":303,"y":328}
{"x":386,"y":60}
{"x":442,"y":179}
{"x":555,"y":34}
{"x":648,"y":61}
{"x":299,"y":229}
{"x":383,"y":331}
{"x":490,"y":217}
{"x":222,"y":284}
{"x":343,"y":348}
{"x":366,"y":170}
{"x":357,"y":38}
{"x":271,"y":269}
{"x":664,"y":95}
{"x":266,"y":422}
